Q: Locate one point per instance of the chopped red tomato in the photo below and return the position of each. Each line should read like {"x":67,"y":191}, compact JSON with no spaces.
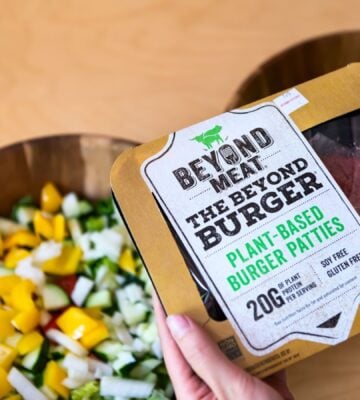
{"x":67,"y":283}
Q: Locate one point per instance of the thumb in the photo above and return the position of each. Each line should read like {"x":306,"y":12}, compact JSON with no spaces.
{"x":223,"y":377}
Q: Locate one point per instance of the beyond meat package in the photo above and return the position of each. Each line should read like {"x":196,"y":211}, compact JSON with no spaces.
{"x":247,"y":221}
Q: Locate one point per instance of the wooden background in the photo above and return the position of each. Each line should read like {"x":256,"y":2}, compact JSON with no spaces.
{"x":142,"y":68}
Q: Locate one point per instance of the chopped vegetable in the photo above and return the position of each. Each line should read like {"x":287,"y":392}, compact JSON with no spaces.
{"x":54,"y":297}
{"x":53,"y":377}
{"x":43,"y":225}
{"x":51,"y":198}
{"x":29,"y":342}
{"x":23,"y":386}
{"x":5,"y":386}
{"x":26,"y":321}
{"x":76,"y":320}
{"x":114,"y":386}
{"x":66,"y":341}
{"x":7,"y":356}
{"x":14,"y":256}
{"x":90,"y":391}
{"x":81,"y":290}
{"x":66,"y":263}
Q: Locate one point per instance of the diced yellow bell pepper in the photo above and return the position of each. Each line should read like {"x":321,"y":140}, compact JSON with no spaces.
{"x":75,"y":323}
{"x":96,"y":336}
{"x":59,"y":227}
{"x":7,"y":356}
{"x":14,"y":256}
{"x":43,"y":225}
{"x":7,"y":299}
{"x":6,"y":329}
{"x":14,"y":397}
{"x":21,"y":295}
{"x":66,"y":264}
{"x":127,"y":262}
{"x":53,"y":377}
{"x":21,"y":239}
{"x":7,"y":283}
{"x":50,"y":198}
{"x":1,"y":246}
{"x":26,"y":321}
{"x":93,"y":312}
{"x":29,"y":342}
{"x":5,"y":386}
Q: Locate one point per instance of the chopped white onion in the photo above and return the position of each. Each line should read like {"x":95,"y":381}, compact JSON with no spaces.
{"x":156,"y":349}
{"x":114,"y":386}
{"x":70,"y":205}
{"x":134,"y":292}
{"x":26,"y":270}
{"x":99,"y":368}
{"x":106,"y":243}
{"x":71,"y":383}
{"x":81,"y":290}
{"x":123,"y":335}
{"x":67,"y":342}
{"x":77,"y":367}
{"x":23,"y":386}
{"x":46,"y":251}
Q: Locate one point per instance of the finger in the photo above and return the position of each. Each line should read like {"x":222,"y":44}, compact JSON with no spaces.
{"x":226,"y":380}
{"x":186,"y":384}
{"x":205,"y":357}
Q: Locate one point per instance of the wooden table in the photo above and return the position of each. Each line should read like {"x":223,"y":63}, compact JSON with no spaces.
{"x":142,"y":68}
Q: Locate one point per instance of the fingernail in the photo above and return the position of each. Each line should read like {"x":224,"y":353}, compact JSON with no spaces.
{"x":178,"y":325}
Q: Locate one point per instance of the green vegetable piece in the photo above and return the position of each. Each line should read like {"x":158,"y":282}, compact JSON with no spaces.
{"x":158,"y":395}
{"x":89,"y":391}
{"x":104,"y":207}
{"x":93,"y":224}
{"x":24,"y":201}
{"x":85,"y":207}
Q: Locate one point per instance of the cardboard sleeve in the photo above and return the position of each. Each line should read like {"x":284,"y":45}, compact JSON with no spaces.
{"x":330,"y":96}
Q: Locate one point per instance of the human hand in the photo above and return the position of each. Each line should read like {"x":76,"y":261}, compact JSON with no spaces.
{"x":199,"y":370}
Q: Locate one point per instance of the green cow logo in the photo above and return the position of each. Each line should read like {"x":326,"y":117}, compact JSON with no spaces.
{"x":209,"y":137}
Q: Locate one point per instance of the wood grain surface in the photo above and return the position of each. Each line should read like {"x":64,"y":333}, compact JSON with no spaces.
{"x":139,"y":69}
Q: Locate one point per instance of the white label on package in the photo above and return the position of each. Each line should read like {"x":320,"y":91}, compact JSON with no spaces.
{"x":290,"y":101}
{"x":264,"y":223}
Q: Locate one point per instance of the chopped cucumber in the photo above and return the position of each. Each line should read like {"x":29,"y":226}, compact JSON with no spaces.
{"x":123,"y":359}
{"x":36,"y":360}
{"x":101,"y":299}
{"x":133,"y":313}
{"x":158,"y":395}
{"x":144,"y":368}
{"x":54,"y":297}
{"x":108,"y":350}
